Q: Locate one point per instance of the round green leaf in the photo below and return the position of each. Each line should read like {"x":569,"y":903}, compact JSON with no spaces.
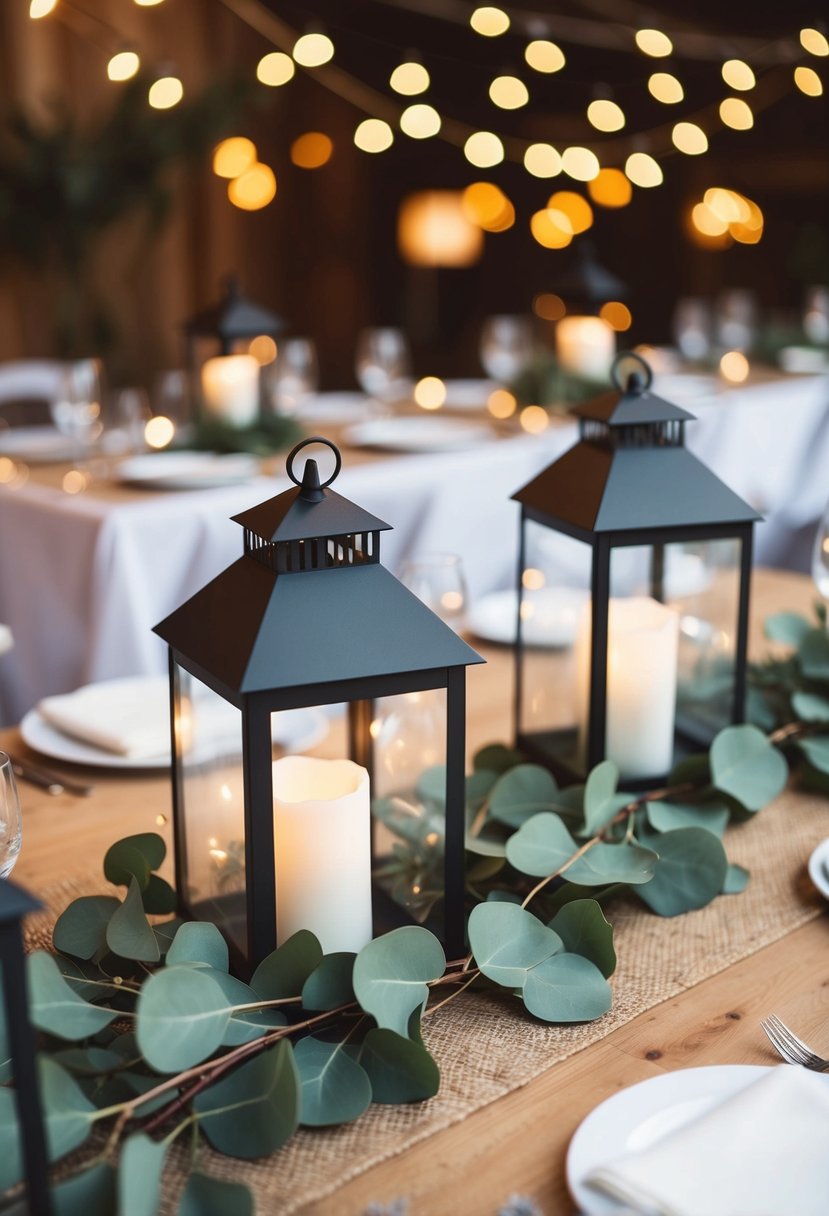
{"x":809,"y":707}
{"x":135,"y":856}
{"x":601,"y":801}
{"x":335,"y":1089}
{"x":139,"y":1175}
{"x":507,"y":940}
{"x":253,"y":1110}
{"x":247,"y":1024}
{"x":205,"y":1196}
{"x":496,"y":758}
{"x":521,"y":793}
{"x":329,"y":985}
{"x":736,"y":880}
{"x":816,"y":751}
{"x":668,"y":816}
{"x":129,"y":933}
{"x":55,"y":1007}
{"x":747,"y":767}
{"x":182,"y":1018}
{"x":398,"y":1069}
{"x":582,"y":927}
{"x":690,"y":873}
{"x":607,"y":863}
{"x":786,"y":627}
{"x":68,"y":1112}
{"x":90,"y":1193}
{"x":159,"y":897}
{"x":431,"y":785}
{"x":390,"y":975}
{"x":199,"y":942}
{"x":566,"y":988}
{"x":81,"y":928}
{"x":541,"y":846}
{"x":813,"y":655}
{"x":283,"y":973}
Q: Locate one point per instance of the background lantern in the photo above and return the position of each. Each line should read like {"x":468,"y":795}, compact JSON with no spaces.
{"x":19,"y":1048}
{"x":585,"y":340}
{"x":652,"y":660}
{"x":308,"y":617}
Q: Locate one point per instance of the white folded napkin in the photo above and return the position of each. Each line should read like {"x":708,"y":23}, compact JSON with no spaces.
{"x":113,"y":715}
{"x":762,"y":1152}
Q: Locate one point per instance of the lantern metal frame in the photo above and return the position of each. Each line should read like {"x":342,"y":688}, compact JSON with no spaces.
{"x":629,"y":482}
{"x":309,"y":617}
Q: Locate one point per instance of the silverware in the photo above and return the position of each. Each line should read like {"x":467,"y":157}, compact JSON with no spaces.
{"x":790,"y":1047}
{"x":48,"y":780}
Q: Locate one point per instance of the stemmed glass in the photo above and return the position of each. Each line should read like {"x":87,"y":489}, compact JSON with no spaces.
{"x":132,"y":411}
{"x":76,"y":407}
{"x":820,"y":556}
{"x":383,"y":363}
{"x":506,"y":347}
{"x":438,"y":580}
{"x":10,"y":823}
{"x":295,"y":375}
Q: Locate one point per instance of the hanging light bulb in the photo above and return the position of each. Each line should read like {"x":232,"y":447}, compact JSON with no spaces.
{"x":489,"y":21}
{"x":665,"y":88}
{"x":808,"y":81}
{"x":542,"y":160}
{"x":275,"y":69}
{"x":605,"y":115}
{"x":313,"y":50}
{"x":738,"y":75}
{"x":483,"y":149}
{"x":233,"y":156}
{"x":737,"y":114}
{"x":373,"y":135}
{"x":654,"y":43}
{"x":544,"y":56}
{"x":253,"y":189}
{"x":580,"y":163}
{"x":41,"y":8}
{"x":165,"y":92}
{"x":643,"y":170}
{"x":814,"y":42}
{"x":420,"y":121}
{"x":508,"y":92}
{"x":409,"y":79}
{"x":311,"y":150}
{"x":610,"y":188}
{"x":123,"y":65}
{"x":578,"y":211}
{"x":687,"y":137}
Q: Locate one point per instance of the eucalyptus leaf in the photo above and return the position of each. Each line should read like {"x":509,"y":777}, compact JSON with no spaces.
{"x":335,"y":1089}
{"x":81,"y":928}
{"x":490,"y":841}
{"x":787,"y":627}
{"x":159,"y":897}
{"x":691,"y":872}
{"x":329,"y":985}
{"x":601,"y":802}
{"x":245,"y":1025}
{"x":182,"y":1018}
{"x":614,"y":863}
{"x":813,"y":655}
{"x":816,"y":751}
{"x":736,"y":880}
{"x":507,"y":940}
{"x":139,"y":1175}
{"x":391,"y":972}
{"x":283,"y":973}
{"x":82,"y":977}
{"x":398,"y":1069}
{"x":745,"y":765}
{"x":89,"y":1193}
{"x":129,"y":933}
{"x":431,"y":785}
{"x":566,"y":988}
{"x":520,"y":793}
{"x":477,"y":788}
{"x":206,"y":1196}
{"x":583,"y":930}
{"x":503,"y":897}
{"x":496,"y":758}
{"x":68,"y":1115}
{"x":253,"y":1110}
{"x":88,"y":1061}
{"x":166,"y":932}
{"x":134,"y":856}
{"x":199,"y":942}
{"x":56,"y":1007}
{"x":695,"y":769}
{"x":809,"y":707}
{"x":666,"y":816}
{"x":541,"y":846}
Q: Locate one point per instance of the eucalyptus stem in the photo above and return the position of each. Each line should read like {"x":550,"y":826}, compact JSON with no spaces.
{"x":434,"y":1008}
{"x":539,"y":886}
{"x":790,"y":731}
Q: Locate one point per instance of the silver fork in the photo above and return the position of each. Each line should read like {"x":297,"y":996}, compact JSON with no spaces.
{"x":790,"y":1047}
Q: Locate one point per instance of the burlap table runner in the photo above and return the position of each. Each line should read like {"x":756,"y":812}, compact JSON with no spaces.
{"x":487,"y":1046}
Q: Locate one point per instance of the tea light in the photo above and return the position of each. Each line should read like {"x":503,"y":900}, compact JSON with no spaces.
{"x":230,"y":388}
{"x":585,"y":346}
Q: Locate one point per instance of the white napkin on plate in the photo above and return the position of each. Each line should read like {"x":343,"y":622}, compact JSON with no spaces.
{"x":111,"y":715}
{"x":762,"y":1152}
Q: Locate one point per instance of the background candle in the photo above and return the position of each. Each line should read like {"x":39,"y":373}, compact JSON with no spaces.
{"x":585,"y":346}
{"x":643,"y":642}
{"x":322,"y":840}
{"x":230,"y":388}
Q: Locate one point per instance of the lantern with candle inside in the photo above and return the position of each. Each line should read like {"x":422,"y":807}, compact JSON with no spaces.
{"x":650,"y":662}
{"x":306,"y":617}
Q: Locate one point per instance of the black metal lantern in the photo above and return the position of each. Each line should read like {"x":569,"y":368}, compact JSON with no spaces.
{"x":585,"y":340}
{"x":15,"y":903}
{"x":634,"y":572}
{"x":307,"y":617}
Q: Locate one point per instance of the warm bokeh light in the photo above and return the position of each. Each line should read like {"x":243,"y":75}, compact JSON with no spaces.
{"x":575,"y":207}
{"x":665,"y":88}
{"x":738,"y":75}
{"x":729,"y":206}
{"x":263,"y":349}
{"x":750,"y":230}
{"x":534,"y":419}
{"x":687,"y":137}
{"x":808,"y":81}
{"x":434,"y":229}
{"x":544,"y":56}
{"x":707,"y":221}
{"x":736,"y":113}
{"x":123,"y":65}
{"x":643,"y":170}
{"x":373,"y":135}
{"x":501,"y":403}
{"x":508,"y":92}
{"x":313,"y":50}
{"x":75,"y":481}
{"x":610,"y":188}
{"x":580,"y":164}
{"x":814,"y":42}
{"x":430,"y":393}
{"x":533,"y":579}
{"x":489,"y":21}
{"x":275,"y":69}
{"x":311,"y":150}
{"x":159,"y":432}
{"x":654,"y":43}
{"x":552,"y":230}
{"x":165,"y":93}
{"x":549,"y":306}
{"x":734,"y":366}
{"x":605,"y":115}
{"x":542,"y":160}
{"x":483,"y":149}
{"x":42,"y":8}
{"x":485,"y":204}
{"x":8,"y":470}
{"x":147,"y":3}
{"x":420,"y":121}
{"x":617,"y":315}
{"x":409,"y":79}
{"x":253,"y":189}
{"x":233,"y":156}
{"x":722,"y":216}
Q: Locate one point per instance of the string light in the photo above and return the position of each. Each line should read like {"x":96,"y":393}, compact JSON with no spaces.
{"x":725,"y":215}
{"x":737,"y":114}
{"x":311,"y":150}
{"x":483,"y":149}
{"x":41,"y":8}
{"x":542,"y":160}
{"x":420,"y":121}
{"x":643,"y":170}
{"x":576,"y":208}
{"x":165,"y":92}
{"x":654,"y":43}
{"x":665,"y":88}
{"x":729,"y":206}
{"x":253,"y":189}
{"x":738,"y":75}
{"x":707,"y":221}
{"x":263,"y":349}
{"x":610,"y":188}
{"x":373,"y":135}
{"x":430,"y":393}
{"x":275,"y":69}
{"x":580,"y":164}
{"x":734,"y":366}
{"x":508,"y":92}
{"x":550,"y":230}
{"x":487,"y":206}
{"x":490,"y":22}
{"x":814,"y":42}
{"x":501,"y":403}
{"x":687,"y":137}
{"x":544,"y":56}
{"x":123,"y":65}
{"x":233,"y":156}
{"x":159,"y":432}
{"x":534,"y":419}
{"x":409,"y":79}
{"x":549,"y":306}
{"x":605,"y":115}
{"x":617,"y":315}
{"x":147,"y":3}
{"x":313,"y":50}
{"x":808,"y":81}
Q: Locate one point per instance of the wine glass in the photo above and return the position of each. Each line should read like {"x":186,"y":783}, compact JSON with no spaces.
{"x":132,"y":412}
{"x":172,"y":397}
{"x":295,"y":375}
{"x":506,"y":347}
{"x":10,"y":824}
{"x":692,"y":328}
{"x":438,"y":580}
{"x":820,"y":556}
{"x":736,"y":319}
{"x":383,"y":363}
{"x":76,"y":406}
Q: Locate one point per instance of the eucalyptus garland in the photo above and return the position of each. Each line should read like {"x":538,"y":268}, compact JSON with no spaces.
{"x":146,"y":1034}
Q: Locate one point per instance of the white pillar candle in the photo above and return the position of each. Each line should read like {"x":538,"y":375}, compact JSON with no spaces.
{"x":322,"y":841}
{"x":230,"y":388}
{"x":585,"y":346}
{"x":643,"y":642}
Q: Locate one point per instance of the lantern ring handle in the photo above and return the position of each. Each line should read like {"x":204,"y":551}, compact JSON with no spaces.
{"x":304,"y":443}
{"x":626,"y":356}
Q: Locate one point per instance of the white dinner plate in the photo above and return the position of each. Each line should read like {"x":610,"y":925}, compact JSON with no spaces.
{"x":35,"y":444}
{"x":337,"y":408}
{"x":551,"y":617}
{"x":638,"y":1116}
{"x":819,"y":868}
{"x":418,"y":434}
{"x":187,"y":470}
{"x":468,"y":394}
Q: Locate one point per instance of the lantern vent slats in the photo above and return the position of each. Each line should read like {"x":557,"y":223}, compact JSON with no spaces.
{"x":661,"y":434}
{"x":315,"y":553}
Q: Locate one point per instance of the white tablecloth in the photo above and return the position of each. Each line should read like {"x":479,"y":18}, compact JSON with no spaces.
{"x":83,"y":579}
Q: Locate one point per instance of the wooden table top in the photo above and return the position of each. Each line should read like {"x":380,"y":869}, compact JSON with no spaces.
{"x":518,"y":1143}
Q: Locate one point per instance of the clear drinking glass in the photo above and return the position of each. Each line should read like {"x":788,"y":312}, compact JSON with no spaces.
{"x":816,"y":315}
{"x":77,"y":406}
{"x":10,"y":823}
{"x":131,"y":413}
{"x":294,"y":375}
{"x":506,"y":347}
{"x":383,"y":363}
{"x":438,"y":580}
{"x":692,"y":325}
{"x":736,"y":319}
{"x":172,"y":397}
{"x":820,"y":556}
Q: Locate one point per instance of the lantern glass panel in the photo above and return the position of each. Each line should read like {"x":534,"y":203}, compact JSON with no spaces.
{"x":209,"y":742}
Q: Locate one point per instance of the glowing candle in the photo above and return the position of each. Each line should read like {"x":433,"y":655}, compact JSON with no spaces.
{"x":585,"y":346}
{"x":230,"y":388}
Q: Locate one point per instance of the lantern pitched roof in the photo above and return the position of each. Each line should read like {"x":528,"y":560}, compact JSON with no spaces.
{"x":290,"y":516}
{"x":639,"y":408}
{"x":234,"y":316}
{"x":15,"y":903}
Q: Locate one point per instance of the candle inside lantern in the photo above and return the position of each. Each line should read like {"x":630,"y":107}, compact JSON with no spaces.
{"x":642,"y":648}
{"x":230,"y":388}
{"x":322,"y":840}
{"x":585,"y":346}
